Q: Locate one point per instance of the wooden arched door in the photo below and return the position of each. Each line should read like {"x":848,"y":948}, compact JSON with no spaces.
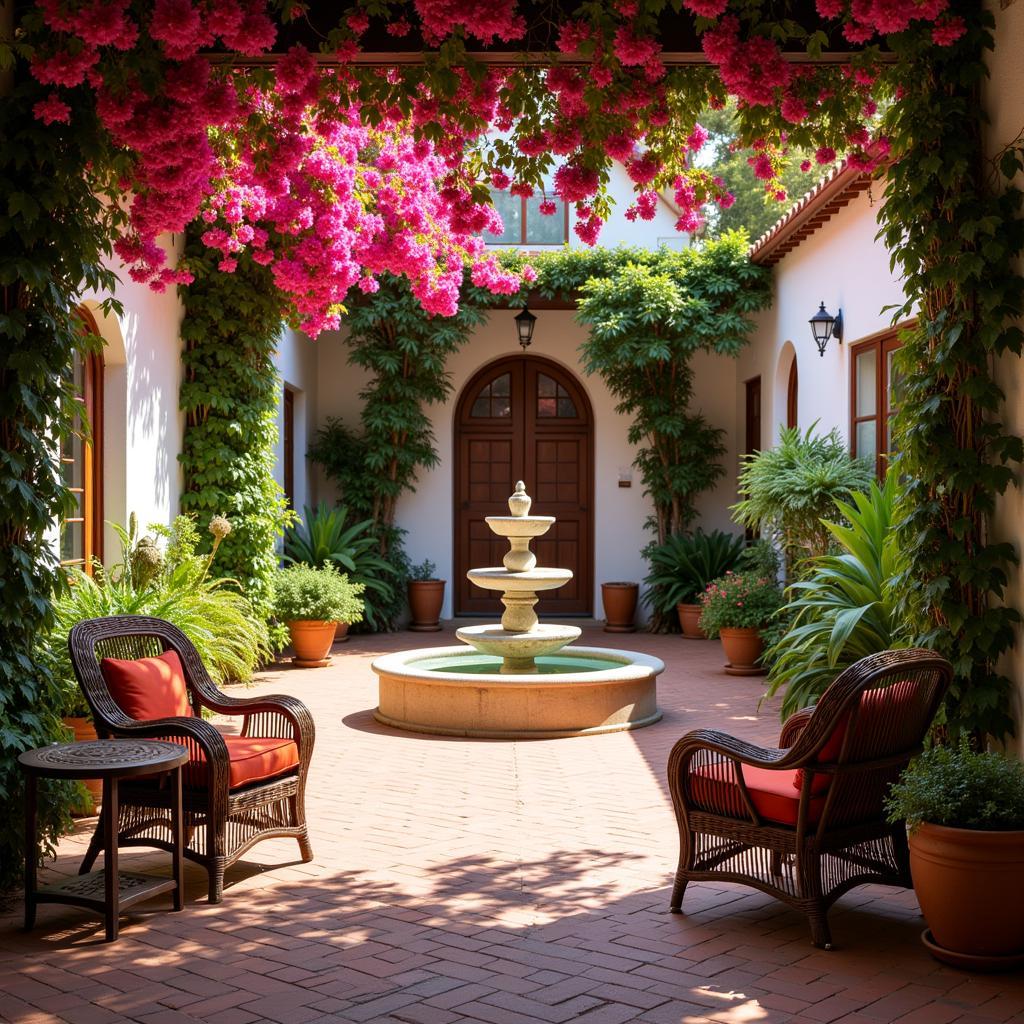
{"x":525,"y":418}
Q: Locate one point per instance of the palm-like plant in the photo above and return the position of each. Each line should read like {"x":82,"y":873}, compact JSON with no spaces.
{"x":325,"y":535}
{"x":846,"y":607}
{"x":685,"y":564}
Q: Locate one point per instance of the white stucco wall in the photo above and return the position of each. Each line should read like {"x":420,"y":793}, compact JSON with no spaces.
{"x":843,"y":266}
{"x":142,"y":426}
{"x":1004,"y":102}
{"x":296,"y":361}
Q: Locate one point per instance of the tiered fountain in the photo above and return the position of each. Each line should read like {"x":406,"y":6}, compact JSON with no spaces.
{"x":515,"y":680}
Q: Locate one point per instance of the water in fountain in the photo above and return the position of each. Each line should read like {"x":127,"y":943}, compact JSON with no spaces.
{"x":520,"y":640}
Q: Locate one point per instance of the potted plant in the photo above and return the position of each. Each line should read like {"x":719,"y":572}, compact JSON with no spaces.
{"x":426,"y":596}
{"x":620,"y":601}
{"x":77,"y":717}
{"x":735,"y":608}
{"x":965,"y":814}
{"x":681,"y":569}
{"x":311,"y":602}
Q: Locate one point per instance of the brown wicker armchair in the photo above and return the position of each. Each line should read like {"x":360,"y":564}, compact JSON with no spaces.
{"x":806,"y":822}
{"x":221,"y":820}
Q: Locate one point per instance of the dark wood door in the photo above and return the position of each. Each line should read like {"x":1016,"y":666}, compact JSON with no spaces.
{"x":524,"y":418}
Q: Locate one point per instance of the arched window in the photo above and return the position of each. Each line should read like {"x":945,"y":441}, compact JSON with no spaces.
{"x":792,"y":387}
{"x":553,"y":401}
{"x":494,"y":400}
{"x":81,"y":454}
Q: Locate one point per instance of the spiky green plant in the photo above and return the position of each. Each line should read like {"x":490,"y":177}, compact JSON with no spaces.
{"x":789,"y":490}
{"x":322,"y":537}
{"x":685,"y":564}
{"x":213,"y":613}
{"x":846,"y":606}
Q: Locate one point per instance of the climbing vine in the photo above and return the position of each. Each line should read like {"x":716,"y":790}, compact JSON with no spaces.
{"x":229,"y":394}
{"x":954,"y":228}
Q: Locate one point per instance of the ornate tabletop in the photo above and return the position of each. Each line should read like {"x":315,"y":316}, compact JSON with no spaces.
{"x":96,"y":759}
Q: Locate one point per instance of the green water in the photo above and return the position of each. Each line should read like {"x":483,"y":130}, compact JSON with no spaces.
{"x":485,"y":664}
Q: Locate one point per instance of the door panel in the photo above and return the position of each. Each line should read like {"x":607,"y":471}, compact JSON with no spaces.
{"x":524,"y":419}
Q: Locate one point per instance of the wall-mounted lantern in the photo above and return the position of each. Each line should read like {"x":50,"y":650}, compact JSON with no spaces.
{"x":524,"y":327}
{"x":824,"y":326}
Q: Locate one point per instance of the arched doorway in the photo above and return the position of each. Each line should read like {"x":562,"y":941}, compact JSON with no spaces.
{"x":525,"y":418}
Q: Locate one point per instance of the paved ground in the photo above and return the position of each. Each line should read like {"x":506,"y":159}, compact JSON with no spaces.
{"x":494,"y":882}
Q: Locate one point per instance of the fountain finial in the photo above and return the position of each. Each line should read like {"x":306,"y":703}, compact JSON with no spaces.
{"x":520,"y":502}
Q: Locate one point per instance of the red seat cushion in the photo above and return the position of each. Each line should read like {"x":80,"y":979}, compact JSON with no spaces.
{"x":252,"y":759}
{"x":148,"y":688}
{"x":773,"y":793}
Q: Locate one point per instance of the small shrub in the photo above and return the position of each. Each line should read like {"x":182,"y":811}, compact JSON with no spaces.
{"x":739,"y":601}
{"x":423,"y":571}
{"x":322,"y":595}
{"x":960,"y":788}
{"x":685,"y":564}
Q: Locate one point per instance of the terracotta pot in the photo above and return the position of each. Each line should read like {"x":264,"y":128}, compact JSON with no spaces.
{"x":620,"y":600}
{"x":341,"y":632}
{"x":312,"y":641}
{"x":83,"y":730}
{"x":742,"y":649}
{"x":689,"y":621}
{"x":425,"y":600}
{"x":968,"y":884}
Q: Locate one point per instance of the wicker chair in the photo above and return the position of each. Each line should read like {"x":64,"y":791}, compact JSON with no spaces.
{"x":221,"y":822}
{"x":806,"y":822}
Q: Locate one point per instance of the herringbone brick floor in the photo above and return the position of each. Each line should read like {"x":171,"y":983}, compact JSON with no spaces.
{"x":489,"y":883}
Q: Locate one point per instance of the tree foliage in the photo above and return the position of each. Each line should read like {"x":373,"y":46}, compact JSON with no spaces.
{"x":646,"y":320}
{"x":230,"y":391}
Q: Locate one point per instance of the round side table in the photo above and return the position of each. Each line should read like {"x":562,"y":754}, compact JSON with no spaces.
{"x":108,"y":891}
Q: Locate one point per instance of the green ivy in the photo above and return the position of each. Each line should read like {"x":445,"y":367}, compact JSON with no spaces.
{"x":229,"y":393}
{"x":54,"y":232}
{"x":953,"y":226}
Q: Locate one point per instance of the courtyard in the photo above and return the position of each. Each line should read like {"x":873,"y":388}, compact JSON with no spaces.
{"x":488,"y":881}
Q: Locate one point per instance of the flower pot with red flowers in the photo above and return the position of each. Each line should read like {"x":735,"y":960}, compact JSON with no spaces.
{"x":426,"y":598}
{"x":735,"y":608}
{"x":311,"y":602}
{"x":965,"y":813}
{"x":620,"y":601}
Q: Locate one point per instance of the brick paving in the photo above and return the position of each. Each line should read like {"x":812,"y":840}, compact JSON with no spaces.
{"x":488,"y":882}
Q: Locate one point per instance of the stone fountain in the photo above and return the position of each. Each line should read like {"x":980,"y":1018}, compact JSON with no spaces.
{"x":518,"y":679}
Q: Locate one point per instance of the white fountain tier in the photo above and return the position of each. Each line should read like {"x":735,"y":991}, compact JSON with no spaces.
{"x":536,"y":689}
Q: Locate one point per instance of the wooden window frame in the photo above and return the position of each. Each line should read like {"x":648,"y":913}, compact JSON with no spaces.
{"x":288,"y":444}
{"x":882,"y":346}
{"x":792,"y":396}
{"x":91,"y":491}
{"x":522,"y":226}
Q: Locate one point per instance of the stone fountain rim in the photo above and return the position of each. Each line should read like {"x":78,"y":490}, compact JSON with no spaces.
{"x":635,"y":666}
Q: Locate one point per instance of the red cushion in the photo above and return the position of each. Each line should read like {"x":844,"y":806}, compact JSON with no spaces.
{"x":771,"y":792}
{"x":252,"y":759}
{"x":828,"y":754}
{"x":148,"y":688}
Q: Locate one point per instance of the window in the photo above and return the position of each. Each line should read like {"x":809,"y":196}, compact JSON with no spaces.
{"x":494,"y":400}
{"x":525,"y":224}
{"x":288,"y":444}
{"x":792,"y":389}
{"x":871,"y":408}
{"x":81,"y":532}
{"x":553,"y":400}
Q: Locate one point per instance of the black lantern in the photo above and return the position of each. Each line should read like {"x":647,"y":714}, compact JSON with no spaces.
{"x":524,"y":327}
{"x":824,"y":326}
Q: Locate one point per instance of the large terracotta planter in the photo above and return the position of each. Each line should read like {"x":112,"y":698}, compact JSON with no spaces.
{"x":968,"y":883}
{"x":341,"y":632}
{"x":620,"y":601}
{"x":312,"y":641}
{"x":689,"y":621}
{"x":425,"y":600}
{"x":742,"y":649}
{"x":83,"y":730}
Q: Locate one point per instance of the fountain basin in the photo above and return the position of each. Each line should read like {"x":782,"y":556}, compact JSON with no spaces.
{"x":457,"y":691}
{"x":518,"y":650}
